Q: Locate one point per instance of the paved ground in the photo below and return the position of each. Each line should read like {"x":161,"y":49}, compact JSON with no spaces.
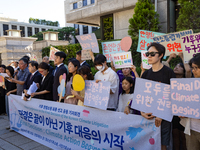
{"x":15,"y":141}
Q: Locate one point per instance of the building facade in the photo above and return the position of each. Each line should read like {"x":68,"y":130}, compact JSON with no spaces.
{"x":27,"y":29}
{"x":96,"y":12}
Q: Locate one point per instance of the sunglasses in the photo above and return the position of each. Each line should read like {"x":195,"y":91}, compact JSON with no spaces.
{"x":151,"y":54}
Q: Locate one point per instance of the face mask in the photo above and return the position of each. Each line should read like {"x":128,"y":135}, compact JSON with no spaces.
{"x":100,"y":68}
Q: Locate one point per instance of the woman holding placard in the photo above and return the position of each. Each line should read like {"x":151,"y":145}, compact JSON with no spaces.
{"x":84,"y":71}
{"x":193,"y":130}
{"x":73,"y":65}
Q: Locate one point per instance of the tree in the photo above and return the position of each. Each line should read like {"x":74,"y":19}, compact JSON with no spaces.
{"x":189,"y":15}
{"x":144,"y":18}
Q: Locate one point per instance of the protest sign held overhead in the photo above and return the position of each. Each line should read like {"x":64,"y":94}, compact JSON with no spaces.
{"x":53,"y":50}
{"x":145,"y":63}
{"x":88,"y":41}
{"x":97,"y":94}
{"x":85,"y":54}
{"x":185,"y":97}
{"x":70,"y":127}
{"x":172,"y":41}
{"x":190,"y":45}
{"x":126,"y":43}
{"x":152,"y":97}
{"x":110,"y":48}
{"x":145,"y":38}
{"x":122,"y":60}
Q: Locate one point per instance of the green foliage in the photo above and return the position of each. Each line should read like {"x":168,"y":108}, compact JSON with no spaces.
{"x":108,"y":28}
{"x":43,"y":22}
{"x":64,"y":34}
{"x":189,"y":15}
{"x":144,"y":18}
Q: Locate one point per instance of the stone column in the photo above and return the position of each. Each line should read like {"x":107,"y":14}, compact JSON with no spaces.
{"x":9,"y":27}
{"x":89,"y":29}
{"x":1,"y":29}
{"x":26,"y":31}
{"x":18,"y":27}
{"x":33,"y":30}
{"x":80,"y":29}
{"x":40,"y":29}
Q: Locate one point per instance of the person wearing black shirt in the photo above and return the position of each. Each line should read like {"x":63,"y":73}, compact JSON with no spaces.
{"x":163,"y":74}
{"x":46,"y":60}
{"x":46,"y":85}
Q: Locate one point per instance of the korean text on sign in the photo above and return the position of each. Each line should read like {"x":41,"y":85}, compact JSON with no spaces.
{"x":97,"y":94}
{"x":152,"y":97}
{"x":109,"y":48}
{"x":145,"y":38}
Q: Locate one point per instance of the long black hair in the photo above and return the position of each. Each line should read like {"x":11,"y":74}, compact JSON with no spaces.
{"x":76,"y":63}
{"x":130,"y":80}
{"x":85,"y":70}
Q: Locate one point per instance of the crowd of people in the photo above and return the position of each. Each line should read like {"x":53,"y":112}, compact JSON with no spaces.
{"x":122,"y":84}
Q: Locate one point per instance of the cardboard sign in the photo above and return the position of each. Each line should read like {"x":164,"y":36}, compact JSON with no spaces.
{"x":122,"y":60}
{"x":97,"y":94}
{"x":145,"y":63}
{"x":145,"y":38}
{"x":88,"y":41}
{"x":172,"y":41}
{"x":185,"y":97}
{"x":152,"y":97}
{"x":85,"y":54}
{"x":53,"y":50}
{"x":109,"y":48}
{"x":190,"y":45}
{"x":70,"y":127}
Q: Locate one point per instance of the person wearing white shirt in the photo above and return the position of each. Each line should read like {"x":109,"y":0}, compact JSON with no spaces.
{"x":105,"y":73}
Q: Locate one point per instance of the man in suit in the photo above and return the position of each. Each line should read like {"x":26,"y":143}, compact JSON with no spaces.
{"x":34,"y":76}
{"x":46,"y":60}
{"x":82,"y":62}
{"x":58,"y":72}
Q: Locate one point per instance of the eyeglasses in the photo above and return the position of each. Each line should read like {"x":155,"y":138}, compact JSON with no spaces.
{"x":195,"y":68}
{"x":151,"y":53}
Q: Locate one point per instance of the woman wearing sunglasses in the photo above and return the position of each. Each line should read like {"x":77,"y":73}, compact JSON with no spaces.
{"x":159,"y":73}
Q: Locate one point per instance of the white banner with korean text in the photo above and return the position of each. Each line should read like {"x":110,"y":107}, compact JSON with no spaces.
{"x":71,"y":127}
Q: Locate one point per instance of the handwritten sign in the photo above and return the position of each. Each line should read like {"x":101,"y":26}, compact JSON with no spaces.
{"x":53,"y":50}
{"x":145,"y":63}
{"x":33,"y":57}
{"x":172,"y":41}
{"x":88,"y":41}
{"x":152,"y":97}
{"x":190,"y":45}
{"x":185,"y":97}
{"x":85,"y":54}
{"x":145,"y":38}
{"x":109,"y":48}
{"x":97,"y":94}
{"x":122,"y":60}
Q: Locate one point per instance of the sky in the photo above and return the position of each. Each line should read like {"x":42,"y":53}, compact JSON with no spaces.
{"x":22,"y":10}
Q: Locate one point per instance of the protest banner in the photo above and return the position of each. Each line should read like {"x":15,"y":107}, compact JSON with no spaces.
{"x":190,"y":45}
{"x":152,"y":97}
{"x":97,"y":94}
{"x":53,"y":50}
{"x":145,"y":38}
{"x":88,"y":41}
{"x":185,"y":97}
{"x":109,"y":48}
{"x":122,"y":60}
{"x":172,"y":41}
{"x":144,"y":58}
{"x":85,"y":54}
{"x":71,"y":127}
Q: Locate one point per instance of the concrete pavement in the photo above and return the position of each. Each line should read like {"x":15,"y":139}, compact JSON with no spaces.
{"x":15,"y":141}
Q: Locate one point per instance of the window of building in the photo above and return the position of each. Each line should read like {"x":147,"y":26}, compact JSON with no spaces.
{"x":85,"y":29}
{"x":36,"y":30}
{"x":74,"y":5}
{"x":94,"y":29}
{"x":84,"y":2}
{"x":107,"y":27}
{"x":23,"y":31}
{"x":76,"y":27}
{"x":92,"y":1}
{"x":29,"y":31}
{"x":14,"y":27}
{"x":43,"y":29}
{"x":5,"y":27}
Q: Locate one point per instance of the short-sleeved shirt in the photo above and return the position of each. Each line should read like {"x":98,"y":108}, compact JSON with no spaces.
{"x":22,"y":76}
{"x":112,"y":77}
